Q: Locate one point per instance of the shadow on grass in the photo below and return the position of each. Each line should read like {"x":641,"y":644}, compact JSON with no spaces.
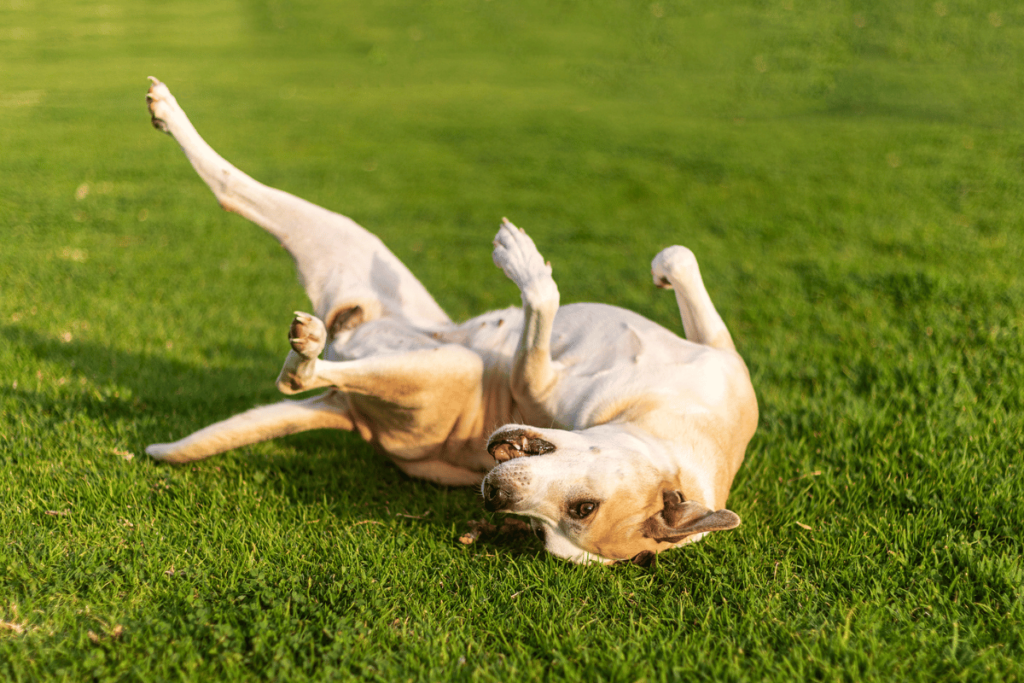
{"x":151,"y":378}
{"x":361,"y":486}
{"x":161,"y":398}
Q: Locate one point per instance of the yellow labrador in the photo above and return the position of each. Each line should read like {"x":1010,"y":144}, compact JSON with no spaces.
{"x":621,"y":439}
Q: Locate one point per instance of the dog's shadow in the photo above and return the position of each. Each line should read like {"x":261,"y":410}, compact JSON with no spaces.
{"x":358,"y":486}
{"x":106,"y":382}
{"x":164,"y":398}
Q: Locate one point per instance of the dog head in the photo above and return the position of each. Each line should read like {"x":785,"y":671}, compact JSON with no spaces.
{"x":602,"y":494}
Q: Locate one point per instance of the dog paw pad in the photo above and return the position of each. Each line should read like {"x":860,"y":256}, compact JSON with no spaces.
{"x":162,"y":105}
{"x":671,"y":264}
{"x":307,"y":335}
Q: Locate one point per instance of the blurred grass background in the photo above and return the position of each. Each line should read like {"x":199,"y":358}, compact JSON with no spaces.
{"x":849,"y":175}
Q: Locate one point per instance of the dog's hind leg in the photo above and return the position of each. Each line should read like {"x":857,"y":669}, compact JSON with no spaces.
{"x":676,"y":268}
{"x":420,"y":404}
{"x":349,"y":274}
{"x":326,"y":411}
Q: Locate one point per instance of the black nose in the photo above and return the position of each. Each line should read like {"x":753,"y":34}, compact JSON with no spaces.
{"x":495,"y":497}
{"x":516,"y":443}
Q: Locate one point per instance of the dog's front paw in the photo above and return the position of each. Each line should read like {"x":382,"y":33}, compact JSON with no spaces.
{"x":671,"y":264}
{"x":517,"y":255}
{"x":307,"y":335}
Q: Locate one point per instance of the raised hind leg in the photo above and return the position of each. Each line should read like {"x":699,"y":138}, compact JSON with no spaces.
{"x":348,"y":273}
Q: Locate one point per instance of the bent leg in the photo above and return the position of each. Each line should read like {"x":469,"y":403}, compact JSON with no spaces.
{"x":676,"y":268}
{"x":307,"y":336}
{"x":347,"y":272}
{"x":419,"y":404}
{"x":326,"y":411}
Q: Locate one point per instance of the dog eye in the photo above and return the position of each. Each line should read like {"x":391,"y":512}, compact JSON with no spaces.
{"x":583,"y":509}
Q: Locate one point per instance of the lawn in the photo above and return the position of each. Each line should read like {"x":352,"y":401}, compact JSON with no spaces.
{"x":849,"y":174}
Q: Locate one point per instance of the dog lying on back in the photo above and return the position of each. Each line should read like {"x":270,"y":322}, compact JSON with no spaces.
{"x":620,"y":439}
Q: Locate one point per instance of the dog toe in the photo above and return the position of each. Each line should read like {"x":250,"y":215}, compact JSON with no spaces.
{"x":307,"y":335}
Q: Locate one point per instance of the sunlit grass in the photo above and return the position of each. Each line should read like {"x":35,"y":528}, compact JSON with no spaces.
{"x":850,"y":178}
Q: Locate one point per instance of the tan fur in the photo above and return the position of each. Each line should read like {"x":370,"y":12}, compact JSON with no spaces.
{"x":616,"y":436}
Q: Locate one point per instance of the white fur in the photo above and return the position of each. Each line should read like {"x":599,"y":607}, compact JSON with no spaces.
{"x":630,"y":408}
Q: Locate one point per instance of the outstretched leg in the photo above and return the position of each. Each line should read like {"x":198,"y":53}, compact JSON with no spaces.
{"x":421,"y":404}
{"x":326,"y":411}
{"x":676,"y":268}
{"x":534,"y":376}
{"x":348,"y":273}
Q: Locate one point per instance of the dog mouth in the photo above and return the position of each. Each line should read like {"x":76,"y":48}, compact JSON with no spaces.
{"x":517,"y":443}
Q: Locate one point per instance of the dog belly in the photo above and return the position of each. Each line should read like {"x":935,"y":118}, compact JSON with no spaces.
{"x":596,"y":337}
{"x":611,"y":360}
{"x":606,"y":356}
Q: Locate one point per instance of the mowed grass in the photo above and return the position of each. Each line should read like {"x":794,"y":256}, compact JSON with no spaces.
{"x":850,"y":176}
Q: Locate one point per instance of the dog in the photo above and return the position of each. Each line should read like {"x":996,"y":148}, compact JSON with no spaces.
{"x":620,"y":439}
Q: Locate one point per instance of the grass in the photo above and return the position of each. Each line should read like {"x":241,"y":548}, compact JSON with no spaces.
{"x":849,"y":174}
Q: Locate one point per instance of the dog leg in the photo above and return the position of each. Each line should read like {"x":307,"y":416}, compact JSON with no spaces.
{"x":417,"y":405}
{"x":307,"y":336}
{"x":676,"y":268}
{"x":534,"y":376}
{"x":348,"y":273}
{"x":326,"y":411}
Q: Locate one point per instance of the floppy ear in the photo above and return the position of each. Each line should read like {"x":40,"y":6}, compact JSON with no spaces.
{"x":682,"y":518}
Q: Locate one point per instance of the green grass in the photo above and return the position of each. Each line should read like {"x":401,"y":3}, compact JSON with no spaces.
{"x":849,"y":174}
